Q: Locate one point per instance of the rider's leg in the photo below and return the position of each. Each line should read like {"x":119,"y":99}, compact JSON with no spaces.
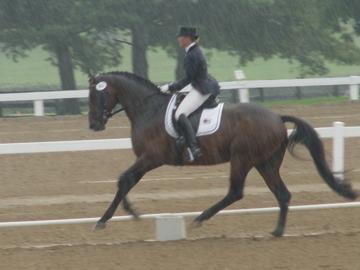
{"x":193,"y":100}
{"x":190,"y":137}
{"x":190,"y":104}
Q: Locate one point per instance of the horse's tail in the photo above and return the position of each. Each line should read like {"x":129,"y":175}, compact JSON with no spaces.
{"x":305,"y":134}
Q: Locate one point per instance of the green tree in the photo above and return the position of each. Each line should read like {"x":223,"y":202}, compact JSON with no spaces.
{"x":75,"y":33}
{"x":152,"y":24}
{"x":345,"y":17}
{"x":291,"y":29}
{"x":308,"y":31}
{"x":169,"y":16}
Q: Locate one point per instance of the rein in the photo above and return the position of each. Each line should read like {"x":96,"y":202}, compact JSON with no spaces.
{"x":111,"y":114}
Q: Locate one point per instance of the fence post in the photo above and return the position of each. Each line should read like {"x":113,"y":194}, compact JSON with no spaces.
{"x":243,"y":93}
{"x":338,"y":150}
{"x":169,"y":228}
{"x":354,"y":89}
{"x":39,"y":107}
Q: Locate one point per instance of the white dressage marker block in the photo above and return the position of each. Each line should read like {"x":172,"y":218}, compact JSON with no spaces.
{"x":169,"y":228}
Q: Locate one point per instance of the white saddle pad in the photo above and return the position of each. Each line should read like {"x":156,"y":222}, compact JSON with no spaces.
{"x":209,"y":121}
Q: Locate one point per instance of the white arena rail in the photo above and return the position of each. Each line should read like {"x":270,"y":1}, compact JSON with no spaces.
{"x":39,"y":97}
{"x":171,"y":226}
{"x":64,"y":146}
{"x":242,"y":85}
{"x":12,"y":224}
{"x":338,"y":132}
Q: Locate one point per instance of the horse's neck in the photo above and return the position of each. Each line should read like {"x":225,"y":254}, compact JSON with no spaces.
{"x":143,"y":107}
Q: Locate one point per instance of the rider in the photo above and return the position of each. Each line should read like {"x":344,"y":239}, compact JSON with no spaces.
{"x":203,"y":86}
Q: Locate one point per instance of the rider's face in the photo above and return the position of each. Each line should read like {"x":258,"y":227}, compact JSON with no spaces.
{"x":184,"y":41}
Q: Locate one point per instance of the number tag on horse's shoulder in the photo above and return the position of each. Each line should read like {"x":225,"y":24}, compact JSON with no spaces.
{"x":101,"y":86}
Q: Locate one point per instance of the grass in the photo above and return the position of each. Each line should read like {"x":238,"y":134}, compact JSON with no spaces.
{"x":35,"y":71}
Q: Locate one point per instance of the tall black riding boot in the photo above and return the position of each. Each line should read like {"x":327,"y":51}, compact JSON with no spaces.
{"x":190,"y":136}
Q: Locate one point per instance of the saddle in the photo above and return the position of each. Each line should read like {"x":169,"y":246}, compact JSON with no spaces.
{"x":211,"y":102}
{"x":205,"y":120}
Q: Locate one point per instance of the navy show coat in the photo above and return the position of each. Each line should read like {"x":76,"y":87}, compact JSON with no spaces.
{"x":196,"y":73}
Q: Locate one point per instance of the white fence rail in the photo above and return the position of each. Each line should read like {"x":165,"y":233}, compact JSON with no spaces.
{"x":12,"y":224}
{"x":338,"y":132}
{"x":64,"y":146}
{"x":242,"y":85}
{"x":171,"y":226}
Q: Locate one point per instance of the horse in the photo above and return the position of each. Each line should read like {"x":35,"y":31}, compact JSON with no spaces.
{"x":249,"y":136}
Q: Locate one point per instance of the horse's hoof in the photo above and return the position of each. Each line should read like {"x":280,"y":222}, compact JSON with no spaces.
{"x":277,"y":233}
{"x":134,"y":214}
{"x":100,"y":225}
{"x":196,"y":224}
{"x":130,"y":210}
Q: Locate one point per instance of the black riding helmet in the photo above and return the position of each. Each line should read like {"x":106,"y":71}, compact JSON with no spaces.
{"x":187,"y":31}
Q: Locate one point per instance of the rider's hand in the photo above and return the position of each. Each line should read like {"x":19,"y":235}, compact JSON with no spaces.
{"x":164,"y":88}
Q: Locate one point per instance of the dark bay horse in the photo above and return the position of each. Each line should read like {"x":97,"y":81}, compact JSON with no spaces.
{"x":249,"y":136}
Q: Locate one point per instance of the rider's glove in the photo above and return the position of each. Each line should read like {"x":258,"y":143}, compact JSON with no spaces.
{"x":164,"y":88}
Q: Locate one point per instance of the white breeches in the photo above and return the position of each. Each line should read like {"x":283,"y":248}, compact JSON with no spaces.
{"x":193,"y":100}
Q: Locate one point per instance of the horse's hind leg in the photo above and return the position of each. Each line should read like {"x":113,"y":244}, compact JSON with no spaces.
{"x":235,"y":193}
{"x":270,"y":172}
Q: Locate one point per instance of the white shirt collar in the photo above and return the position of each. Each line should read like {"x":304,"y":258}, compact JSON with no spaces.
{"x":188,"y":47}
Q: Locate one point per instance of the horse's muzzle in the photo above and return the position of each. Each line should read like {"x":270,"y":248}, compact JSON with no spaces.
{"x":97,"y":126}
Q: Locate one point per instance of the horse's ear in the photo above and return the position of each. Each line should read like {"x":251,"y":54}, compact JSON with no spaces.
{"x":91,"y":77}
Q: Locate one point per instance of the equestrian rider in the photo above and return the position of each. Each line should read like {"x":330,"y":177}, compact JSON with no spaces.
{"x":203,"y":86}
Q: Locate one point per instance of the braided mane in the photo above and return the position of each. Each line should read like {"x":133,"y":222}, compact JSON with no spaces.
{"x":134,"y":77}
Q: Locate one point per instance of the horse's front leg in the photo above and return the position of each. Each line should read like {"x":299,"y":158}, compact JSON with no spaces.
{"x":129,"y":209}
{"x":127,"y":181}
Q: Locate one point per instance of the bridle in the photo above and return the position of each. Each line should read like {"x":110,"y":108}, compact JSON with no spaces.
{"x":101,"y":87}
{"x":108,"y":114}
{"x":104,"y":101}
{"x":112,"y":113}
